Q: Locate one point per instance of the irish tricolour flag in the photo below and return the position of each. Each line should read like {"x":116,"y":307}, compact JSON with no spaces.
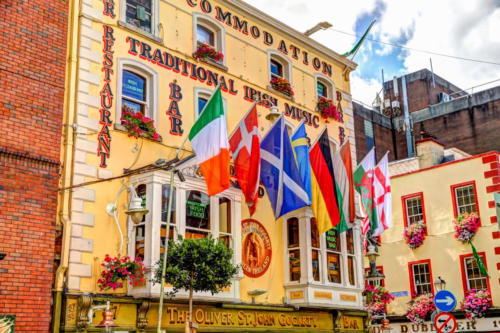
{"x":209,"y":141}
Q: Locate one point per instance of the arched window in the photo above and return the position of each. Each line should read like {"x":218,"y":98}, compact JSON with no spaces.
{"x":279,"y":66}
{"x":208,"y":31}
{"x":137,"y":89}
{"x":141,"y":16}
{"x":325,"y":87}
{"x":201,"y":97}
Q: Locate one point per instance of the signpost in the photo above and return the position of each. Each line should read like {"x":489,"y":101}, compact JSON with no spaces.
{"x":445,"y":323}
{"x":445,"y":301}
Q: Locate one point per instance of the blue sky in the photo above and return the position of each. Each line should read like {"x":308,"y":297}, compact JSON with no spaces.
{"x":457,"y":27}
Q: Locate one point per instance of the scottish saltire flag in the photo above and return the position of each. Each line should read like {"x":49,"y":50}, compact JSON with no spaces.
{"x":300,"y":145}
{"x":279,"y":173}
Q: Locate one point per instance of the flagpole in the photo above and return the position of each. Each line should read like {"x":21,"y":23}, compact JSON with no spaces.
{"x":246,"y":114}
{"x":317,"y":138}
{"x":373,"y":148}
{"x":297,"y":127}
{"x":387,"y":153}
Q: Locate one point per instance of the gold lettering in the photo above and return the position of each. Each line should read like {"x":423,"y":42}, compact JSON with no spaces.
{"x":230,"y":319}
{"x":171,"y":312}
{"x":241,"y":318}
{"x":199,"y":315}
{"x":281,"y":319}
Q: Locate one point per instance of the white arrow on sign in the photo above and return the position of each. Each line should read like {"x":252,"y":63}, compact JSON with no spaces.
{"x":448,"y":300}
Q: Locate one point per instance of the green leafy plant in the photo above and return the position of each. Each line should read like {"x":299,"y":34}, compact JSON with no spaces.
{"x":197,"y":265}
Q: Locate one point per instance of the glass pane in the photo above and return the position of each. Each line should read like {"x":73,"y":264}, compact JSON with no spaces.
{"x":350,"y":267}
{"x":225,"y":215}
{"x":141,"y":193}
{"x":165,"y":194}
{"x":226,"y":240}
{"x":349,"y":236}
{"x":315,"y":265}
{"x":133,"y":86}
{"x":162,"y":237}
{"x":333,"y":240}
{"x":197,"y":210}
{"x":314,"y":233}
{"x":293,"y":232}
{"x":136,"y":107}
{"x":195,"y":234}
{"x":139,"y":14}
{"x":333,"y":267}
{"x":204,"y":35}
{"x":201,"y":104}
{"x":321,"y":89}
{"x":276,"y":68}
{"x":294,"y":257}
{"x":139,"y":241}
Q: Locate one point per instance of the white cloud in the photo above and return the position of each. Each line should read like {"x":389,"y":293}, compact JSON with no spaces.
{"x":364,"y":90}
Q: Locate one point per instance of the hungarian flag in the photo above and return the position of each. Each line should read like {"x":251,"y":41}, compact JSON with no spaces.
{"x":245,"y":146}
{"x":382,"y":192}
{"x":363,"y":183}
{"x":208,"y":138}
{"x":345,"y":154}
{"x":323,"y":193}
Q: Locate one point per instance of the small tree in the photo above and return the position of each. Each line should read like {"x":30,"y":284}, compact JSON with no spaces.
{"x":197,"y":265}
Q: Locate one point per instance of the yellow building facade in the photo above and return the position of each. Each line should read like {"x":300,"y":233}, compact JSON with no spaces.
{"x":141,"y":54}
{"x":426,"y":189}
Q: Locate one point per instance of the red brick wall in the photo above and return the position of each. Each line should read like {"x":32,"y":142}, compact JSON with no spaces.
{"x":32,"y":73}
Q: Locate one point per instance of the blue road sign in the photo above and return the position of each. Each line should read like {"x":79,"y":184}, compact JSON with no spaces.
{"x":445,"y":301}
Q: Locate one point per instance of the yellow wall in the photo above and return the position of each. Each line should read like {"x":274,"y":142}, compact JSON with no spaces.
{"x":440,"y":246}
{"x":247,"y":65}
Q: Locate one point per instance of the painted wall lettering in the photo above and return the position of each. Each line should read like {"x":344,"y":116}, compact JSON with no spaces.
{"x":173,"y":111}
{"x":299,"y":114}
{"x":341,"y":135}
{"x":104,"y":136}
{"x":109,"y":8}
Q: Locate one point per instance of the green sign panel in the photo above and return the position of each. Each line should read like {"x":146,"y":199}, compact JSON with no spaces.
{"x":331,"y":239}
{"x":195,"y":209}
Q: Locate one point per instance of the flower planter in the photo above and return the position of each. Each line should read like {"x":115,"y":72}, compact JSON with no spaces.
{"x":476,"y":303}
{"x":327,"y":109}
{"x":466,"y":226}
{"x":282,"y":85}
{"x":118,"y":269}
{"x":377,"y":299}
{"x":414,"y":235}
{"x":136,"y":124}
{"x":420,"y":309}
{"x":205,"y":52}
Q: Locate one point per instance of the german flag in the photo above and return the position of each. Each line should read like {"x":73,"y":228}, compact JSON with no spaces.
{"x":324,"y":195}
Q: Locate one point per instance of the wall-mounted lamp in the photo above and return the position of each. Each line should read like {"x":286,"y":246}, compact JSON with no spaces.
{"x":439,"y":284}
{"x":320,"y":26}
{"x":256,"y":292}
{"x":107,"y":316}
{"x":373,"y":274}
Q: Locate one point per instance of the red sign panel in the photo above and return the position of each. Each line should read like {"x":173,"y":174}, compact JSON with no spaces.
{"x":256,"y":248}
{"x":445,"y":323}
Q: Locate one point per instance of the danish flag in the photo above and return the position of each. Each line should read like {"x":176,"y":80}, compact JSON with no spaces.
{"x":244,"y":144}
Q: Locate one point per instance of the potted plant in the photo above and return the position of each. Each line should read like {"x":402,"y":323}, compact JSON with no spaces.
{"x":117,"y":269}
{"x":420,"y":309}
{"x":414,"y":234}
{"x":282,"y":85}
{"x":137,"y":124}
{"x":204,"y":52}
{"x":327,"y":109}
{"x":476,"y":303}
{"x":377,"y":299}
{"x":466,"y":226}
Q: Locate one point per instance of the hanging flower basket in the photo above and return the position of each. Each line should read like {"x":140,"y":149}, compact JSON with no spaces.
{"x":420,"y":309}
{"x":117,"y":269}
{"x":282,"y":85}
{"x":327,"y":109}
{"x":204,"y":52}
{"x":466,"y":226}
{"x":377,"y":299}
{"x":476,"y":303}
{"x":137,"y":124}
{"x":414,"y":235}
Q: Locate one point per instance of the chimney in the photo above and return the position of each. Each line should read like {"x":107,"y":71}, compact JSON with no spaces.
{"x":430,"y":152}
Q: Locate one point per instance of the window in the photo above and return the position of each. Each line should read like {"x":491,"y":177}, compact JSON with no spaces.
{"x":279,"y":66}
{"x":325,"y":87}
{"x":321,"y":90}
{"x":351,"y":260}
{"x":370,"y":141}
{"x":333,"y":256}
{"x":141,"y":16}
{"x":193,"y":215}
{"x":206,"y":30}
{"x":202,"y":101}
{"x":293,"y":249}
{"x":201,"y":97}
{"x":472,"y":278}
{"x":421,"y":278}
{"x":464,"y":198}
{"x":276,"y":69}
{"x":137,"y":89}
{"x":316,"y":250}
{"x":413,"y":208}
{"x":375,"y":283}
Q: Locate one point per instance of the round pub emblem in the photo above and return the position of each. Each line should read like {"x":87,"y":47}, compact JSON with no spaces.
{"x":256,"y":248}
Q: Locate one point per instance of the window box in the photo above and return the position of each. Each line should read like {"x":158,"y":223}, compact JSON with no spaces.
{"x":327,"y":109}
{"x":282,"y":85}
{"x":205,"y":52}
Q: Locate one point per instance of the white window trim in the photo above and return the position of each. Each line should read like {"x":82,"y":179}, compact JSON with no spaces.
{"x":151,"y":87}
{"x":327,"y":82}
{"x":155,"y":20}
{"x":467,"y":279}
{"x":154,"y":182}
{"x":456,"y":197}
{"x":206,"y":92}
{"x":284,"y":61}
{"x":213,"y":25}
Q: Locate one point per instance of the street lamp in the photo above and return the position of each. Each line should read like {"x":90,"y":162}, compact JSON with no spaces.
{"x":439,"y":284}
{"x":373,"y":275}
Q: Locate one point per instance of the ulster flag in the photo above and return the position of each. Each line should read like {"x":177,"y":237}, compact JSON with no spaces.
{"x":245,"y":146}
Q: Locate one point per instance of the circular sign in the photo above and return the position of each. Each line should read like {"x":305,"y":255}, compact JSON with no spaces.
{"x":256,"y":249}
{"x":445,"y":323}
{"x":445,"y":301}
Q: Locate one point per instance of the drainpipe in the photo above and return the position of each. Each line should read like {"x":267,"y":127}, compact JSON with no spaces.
{"x":67,"y":155}
{"x":409,"y":138}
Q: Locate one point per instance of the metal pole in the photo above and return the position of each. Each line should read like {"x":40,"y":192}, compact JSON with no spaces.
{"x":432,"y":71}
{"x":165,"y":252}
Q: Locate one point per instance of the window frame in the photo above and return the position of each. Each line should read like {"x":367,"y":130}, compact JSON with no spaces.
{"x":404,"y":199}
{"x":285,"y":63}
{"x":156,"y":25}
{"x":453,"y":189}
{"x":202,"y":92}
{"x":216,"y":28}
{"x":151,"y":76}
{"x":329,"y":85}
{"x":379,"y":269}
{"x":412,"y":278}
{"x":465,"y":281}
